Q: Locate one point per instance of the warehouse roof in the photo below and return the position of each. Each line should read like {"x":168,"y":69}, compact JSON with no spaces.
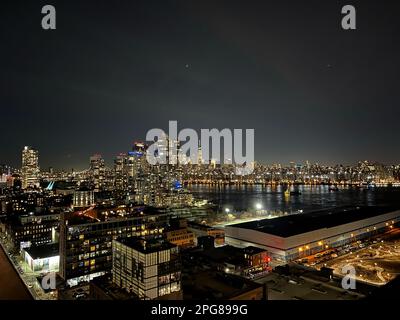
{"x":295,"y":224}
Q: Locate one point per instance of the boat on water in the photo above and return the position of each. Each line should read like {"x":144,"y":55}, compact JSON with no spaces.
{"x":291,"y":193}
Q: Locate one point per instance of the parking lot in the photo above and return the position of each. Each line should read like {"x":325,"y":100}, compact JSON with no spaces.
{"x":376,"y":261}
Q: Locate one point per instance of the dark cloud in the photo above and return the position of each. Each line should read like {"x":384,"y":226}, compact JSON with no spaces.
{"x":111,"y":71}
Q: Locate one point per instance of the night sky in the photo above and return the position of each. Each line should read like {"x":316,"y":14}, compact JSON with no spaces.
{"x":115,"y":69}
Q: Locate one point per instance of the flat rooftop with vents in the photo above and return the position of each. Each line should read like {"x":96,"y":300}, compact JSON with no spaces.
{"x":314,"y":231}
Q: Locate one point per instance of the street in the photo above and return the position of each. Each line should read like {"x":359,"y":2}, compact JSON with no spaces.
{"x":28,"y":277}
{"x":11,"y":285}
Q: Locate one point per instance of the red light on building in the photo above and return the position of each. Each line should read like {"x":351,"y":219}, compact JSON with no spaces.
{"x":267,"y":259}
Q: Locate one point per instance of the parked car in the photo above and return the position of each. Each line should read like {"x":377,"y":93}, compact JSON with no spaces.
{"x":80,"y":296}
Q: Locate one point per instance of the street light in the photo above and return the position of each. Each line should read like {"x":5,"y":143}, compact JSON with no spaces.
{"x":227,"y":210}
{"x":258,"y":206}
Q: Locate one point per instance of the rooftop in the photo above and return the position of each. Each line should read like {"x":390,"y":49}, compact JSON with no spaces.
{"x":306,"y":287}
{"x":295,"y":224}
{"x":44,"y":251}
{"x":147,"y":245}
{"x":229,"y":254}
{"x":210,"y":285}
{"x":195,"y":225}
{"x":102,"y":214}
{"x":109,"y":289}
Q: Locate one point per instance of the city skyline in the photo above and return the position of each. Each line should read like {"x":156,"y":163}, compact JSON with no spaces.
{"x":110,"y":162}
{"x":92,"y":85}
{"x":193,"y":156}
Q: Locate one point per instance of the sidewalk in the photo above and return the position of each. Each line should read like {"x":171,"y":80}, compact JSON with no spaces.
{"x":27,"y":276}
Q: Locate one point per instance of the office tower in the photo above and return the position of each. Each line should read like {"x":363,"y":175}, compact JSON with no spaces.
{"x":120,"y":178}
{"x":148,"y":268}
{"x":97,"y":169}
{"x":199,"y":154}
{"x":135,"y":169}
{"x":30,"y":168}
{"x":139,"y":147}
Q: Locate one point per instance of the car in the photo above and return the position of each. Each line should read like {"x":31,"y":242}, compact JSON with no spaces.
{"x":80,"y":296}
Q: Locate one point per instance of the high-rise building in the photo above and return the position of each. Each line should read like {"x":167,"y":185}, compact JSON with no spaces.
{"x":97,"y":168}
{"x":139,"y":147}
{"x":149,"y":268}
{"x":199,"y":155}
{"x":30,"y":167}
{"x":120,"y":178}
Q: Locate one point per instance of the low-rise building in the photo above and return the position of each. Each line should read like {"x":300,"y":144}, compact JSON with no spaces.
{"x":246,"y":262}
{"x":300,"y":235}
{"x":44,"y":258}
{"x":201,"y":230}
{"x":33,"y":229}
{"x":212,"y":285}
{"x":102,"y":288}
{"x":178,"y":234}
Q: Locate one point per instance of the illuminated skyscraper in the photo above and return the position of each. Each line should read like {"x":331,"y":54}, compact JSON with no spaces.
{"x":120,"y":166}
{"x":30,"y":167}
{"x":139,"y":146}
{"x":199,"y":155}
{"x":97,"y":168}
